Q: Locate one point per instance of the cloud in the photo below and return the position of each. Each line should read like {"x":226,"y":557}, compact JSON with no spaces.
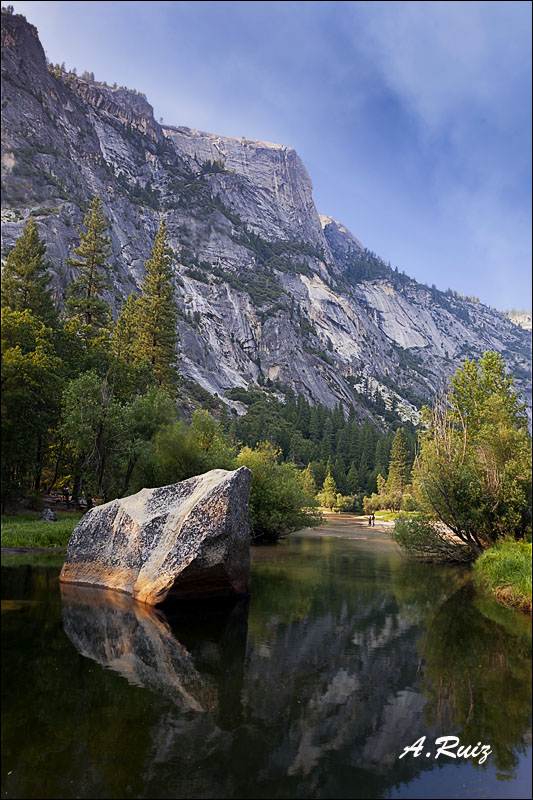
{"x":447,"y":59}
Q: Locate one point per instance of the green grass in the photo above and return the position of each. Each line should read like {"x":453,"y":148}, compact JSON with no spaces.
{"x":390,"y":516}
{"x":505,"y":572}
{"x":25,"y":530}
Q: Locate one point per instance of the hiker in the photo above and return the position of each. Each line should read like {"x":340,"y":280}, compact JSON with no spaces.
{"x":66,"y":494}
{"x":370,"y":519}
{"x":373,"y":520}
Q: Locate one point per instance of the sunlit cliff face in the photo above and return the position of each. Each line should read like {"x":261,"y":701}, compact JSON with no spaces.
{"x":266,"y":288}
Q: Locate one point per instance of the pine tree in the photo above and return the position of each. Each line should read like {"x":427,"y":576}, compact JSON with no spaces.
{"x":318,"y":469}
{"x":84,"y":300}
{"x":314,"y":425}
{"x":368,"y":443}
{"x":224,"y":418}
{"x":329,"y":492}
{"x":158,"y":320}
{"x":399,"y":468}
{"x":339,"y":474}
{"x":355,"y":444}
{"x":343,"y":441}
{"x":353,"y":478}
{"x":125,"y":335}
{"x":25,"y":277}
{"x":308,"y":481}
{"x":327,"y":434}
{"x":381,"y":460}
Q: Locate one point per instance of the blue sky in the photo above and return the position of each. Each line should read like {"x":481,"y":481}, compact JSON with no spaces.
{"x":412,"y":118}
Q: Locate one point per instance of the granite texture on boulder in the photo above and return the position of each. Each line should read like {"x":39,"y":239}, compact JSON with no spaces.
{"x":47,"y":515}
{"x":189,"y":540}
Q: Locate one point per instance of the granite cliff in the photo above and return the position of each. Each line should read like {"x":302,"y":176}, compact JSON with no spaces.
{"x":268,"y":291}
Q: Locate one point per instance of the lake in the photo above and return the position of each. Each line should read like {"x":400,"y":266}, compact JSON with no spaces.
{"x":345,"y":654}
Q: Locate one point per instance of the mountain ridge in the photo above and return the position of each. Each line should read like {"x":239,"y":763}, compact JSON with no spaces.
{"x":269,"y":292}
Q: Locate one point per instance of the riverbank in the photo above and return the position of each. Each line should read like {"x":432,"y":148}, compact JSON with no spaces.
{"x":504,"y":571}
{"x":27,"y":531}
{"x":358,"y":519}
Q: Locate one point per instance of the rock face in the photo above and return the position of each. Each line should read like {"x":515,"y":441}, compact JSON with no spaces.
{"x":267,"y":290}
{"x":189,"y":540}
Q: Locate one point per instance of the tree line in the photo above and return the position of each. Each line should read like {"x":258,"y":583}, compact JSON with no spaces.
{"x":328,"y":444}
{"x":94,"y":402}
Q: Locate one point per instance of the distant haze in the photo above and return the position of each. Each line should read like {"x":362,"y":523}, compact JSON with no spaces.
{"x":413,"y":119}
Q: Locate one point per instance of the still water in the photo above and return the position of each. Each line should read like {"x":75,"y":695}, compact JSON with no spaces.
{"x":345,"y":654}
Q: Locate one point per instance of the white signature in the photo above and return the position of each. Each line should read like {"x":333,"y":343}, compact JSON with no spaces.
{"x":446,"y":748}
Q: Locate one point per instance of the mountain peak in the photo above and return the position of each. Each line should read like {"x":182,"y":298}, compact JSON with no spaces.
{"x":338,"y":236}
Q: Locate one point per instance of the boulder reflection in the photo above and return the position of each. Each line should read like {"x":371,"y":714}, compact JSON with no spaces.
{"x":162,"y":650}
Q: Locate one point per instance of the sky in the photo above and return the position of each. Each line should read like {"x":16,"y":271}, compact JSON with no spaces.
{"x":413,"y":119}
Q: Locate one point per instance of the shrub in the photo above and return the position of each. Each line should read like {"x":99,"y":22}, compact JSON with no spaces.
{"x":423,"y":538}
{"x":278,"y":501}
{"x":409,"y":503}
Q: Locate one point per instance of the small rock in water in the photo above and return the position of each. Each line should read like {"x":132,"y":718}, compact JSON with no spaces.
{"x":189,"y":540}
{"x":48,"y":515}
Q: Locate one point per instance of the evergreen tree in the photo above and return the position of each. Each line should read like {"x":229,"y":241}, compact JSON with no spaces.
{"x":368,"y":443}
{"x":399,"y":468}
{"x":25,"y":277}
{"x":315,"y":425}
{"x":338,"y":472}
{"x":318,"y":469}
{"x":31,"y":388}
{"x":125,"y":335}
{"x":362,"y":472}
{"x":328,"y":495}
{"x":338,"y":417}
{"x":84,"y":300}
{"x":381,"y":461}
{"x":353,"y":478}
{"x":355,"y":445}
{"x":325,"y":446}
{"x":158,"y":320}
{"x":224,"y":418}
{"x":308,"y":481}
{"x":304,"y":414}
{"x":343,"y":441}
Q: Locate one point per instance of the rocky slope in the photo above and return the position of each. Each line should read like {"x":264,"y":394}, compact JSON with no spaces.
{"x":269,"y":292}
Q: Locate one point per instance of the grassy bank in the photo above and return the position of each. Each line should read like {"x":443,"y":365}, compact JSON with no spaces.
{"x":505,"y":572}
{"x":25,"y":530}
{"x":391,"y":516}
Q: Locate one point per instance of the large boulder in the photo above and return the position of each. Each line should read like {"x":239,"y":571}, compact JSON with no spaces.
{"x":189,"y":540}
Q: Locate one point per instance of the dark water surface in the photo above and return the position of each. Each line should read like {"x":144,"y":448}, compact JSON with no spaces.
{"x":345,"y":654}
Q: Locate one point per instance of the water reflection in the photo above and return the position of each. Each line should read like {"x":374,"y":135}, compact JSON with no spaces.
{"x":150,"y":648}
{"x":346,"y":654}
{"x":477,"y":675}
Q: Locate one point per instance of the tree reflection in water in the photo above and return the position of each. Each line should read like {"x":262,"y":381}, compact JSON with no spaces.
{"x":473,"y":652}
{"x":346,"y":654}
